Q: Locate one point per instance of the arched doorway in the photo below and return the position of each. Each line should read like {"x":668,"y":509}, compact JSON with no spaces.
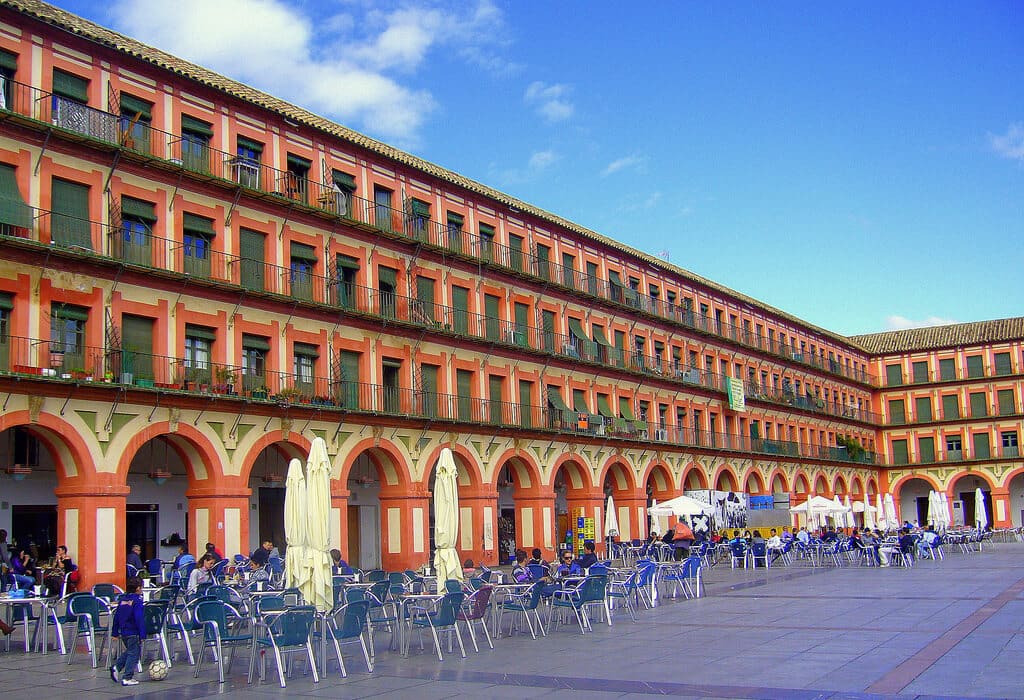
{"x":912,"y":500}
{"x":628,"y":503}
{"x":472,"y":521}
{"x":157,"y":505}
{"x":30,"y":512}
{"x":659,"y":488}
{"x":385,"y":517}
{"x":526,"y":510}
{"x":963,"y":490}
{"x":576,"y":497}
{"x":266,"y":500}
{"x":1015,"y":499}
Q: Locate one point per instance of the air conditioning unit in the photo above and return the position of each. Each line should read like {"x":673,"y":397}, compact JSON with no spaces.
{"x":661,"y":435}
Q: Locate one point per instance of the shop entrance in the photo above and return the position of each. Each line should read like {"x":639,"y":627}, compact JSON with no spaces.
{"x":141,"y":522}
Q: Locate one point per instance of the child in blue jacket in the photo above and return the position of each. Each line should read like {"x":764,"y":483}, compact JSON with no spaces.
{"x":129,"y":625}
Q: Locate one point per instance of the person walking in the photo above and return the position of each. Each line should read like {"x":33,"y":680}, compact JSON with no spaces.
{"x":130,"y":627}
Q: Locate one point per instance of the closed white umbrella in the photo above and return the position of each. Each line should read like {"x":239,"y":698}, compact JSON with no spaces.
{"x":980,"y":516}
{"x":295,"y":568}
{"x":883,"y":523}
{"x":652,"y":526}
{"x":611,"y":521}
{"x":446,"y":519}
{"x":849,"y":511}
{"x":891,"y":516}
{"x":947,"y":519}
{"x":838,"y":513}
{"x":933,"y":509}
{"x":869,"y":512}
{"x":318,"y":589}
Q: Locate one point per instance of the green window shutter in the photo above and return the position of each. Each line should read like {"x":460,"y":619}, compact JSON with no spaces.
{"x":306,"y":350}
{"x":70,"y":221}
{"x":255,"y":342}
{"x":947,"y":369}
{"x":348,"y":379}
{"x":604,"y":407}
{"x":425,"y":292}
{"x":486,"y":231}
{"x":251,"y":249}
{"x":298,"y":163}
{"x":568,"y":271}
{"x":428,"y":385}
{"x":926,"y":449}
{"x":493,"y":321}
{"x":70,"y":312}
{"x":515,"y":252}
{"x":899,"y":452}
{"x":201,"y":332}
{"x":579,"y":401}
{"x":547,"y":321}
{"x":133,"y":105}
{"x":13,"y":209}
{"x":137,"y":346}
{"x":494,"y":384}
{"x":196,"y":126}
{"x":70,"y":86}
{"x":8,"y":60}
{"x":522,"y":316}
{"x":138,"y":209}
{"x":301,"y":251}
{"x":349,"y":363}
{"x":897,"y":412}
{"x":923,"y":409}
{"x":975,"y":366}
{"x":920,"y":370}
{"x":347,"y":262}
{"x":755,"y":430}
{"x":1003,"y":364}
{"x":979,"y":405}
{"x":1006,"y":402}
{"x":625,"y":409}
{"x":388,"y":276}
{"x":894,"y":375}
{"x":249,"y":145}
{"x":460,"y":303}
{"x":556,"y":400}
{"x":599,"y":337}
{"x":464,"y":389}
{"x":982,"y":448}
{"x":950,"y":406}
{"x":525,"y":403}
{"x":420,"y":209}
{"x":193,"y":223}
{"x":343,"y":180}
{"x":6,"y":301}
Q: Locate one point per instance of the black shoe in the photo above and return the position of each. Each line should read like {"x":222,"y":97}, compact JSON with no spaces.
{"x":115,"y":675}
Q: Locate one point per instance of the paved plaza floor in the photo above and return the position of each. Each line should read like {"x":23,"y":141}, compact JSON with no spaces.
{"x":947,"y":630}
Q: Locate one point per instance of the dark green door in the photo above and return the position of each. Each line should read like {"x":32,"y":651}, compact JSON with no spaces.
{"x":348,"y":396}
{"x":71,"y":214}
{"x":460,"y":305}
{"x":137,"y":347}
{"x":252,"y":251}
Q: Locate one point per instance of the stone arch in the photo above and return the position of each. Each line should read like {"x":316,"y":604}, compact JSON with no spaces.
{"x":801,"y":483}
{"x":196,"y":451}
{"x":839,"y":485}
{"x":694,"y":478}
{"x":857,"y":485}
{"x":296,"y":447}
{"x":779,"y":482}
{"x":577,"y":476}
{"x":469,"y":473}
{"x":658,"y":481}
{"x":754,"y":483}
{"x":526,"y":471}
{"x":389,"y":461}
{"x":910,"y":494}
{"x":725,"y":479}
{"x":618,"y":471}
{"x":871,"y":486}
{"x":62,"y":441}
{"x":962,"y":487}
{"x":820,"y":484}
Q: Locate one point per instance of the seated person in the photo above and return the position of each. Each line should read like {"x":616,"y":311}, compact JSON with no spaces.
{"x":203,"y":573}
{"x":537,"y":557}
{"x":561,"y":569}
{"x":261,"y":555}
{"x":183,"y":557}
{"x":339,"y":567}
{"x":60,"y":567}
{"x":520,"y":574}
{"x":774,"y":544}
{"x":211,"y":548}
{"x":23,"y":567}
{"x":830,"y":535}
{"x":908,"y":542}
{"x":135,"y":558}
{"x":589,"y":558}
{"x":786,"y":535}
{"x":468,"y":569}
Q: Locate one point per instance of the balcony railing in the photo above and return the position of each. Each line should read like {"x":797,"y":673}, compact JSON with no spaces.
{"x":761,"y":392}
{"x":986,"y":371}
{"x":119,"y":367}
{"x":205,"y":161}
{"x":971,"y":412}
{"x":953,"y":456}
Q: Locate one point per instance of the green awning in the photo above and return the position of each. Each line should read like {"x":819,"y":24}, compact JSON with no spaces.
{"x":13,"y":209}
{"x":348,"y":261}
{"x":8,"y":60}
{"x":639,"y":425}
{"x":248,"y":144}
{"x":603,"y":407}
{"x":580,"y":405}
{"x":599,"y":337}
{"x":486,"y":230}
{"x":576,"y":328}
{"x":388,"y":276}
{"x":201,"y":332}
{"x":343,"y":180}
{"x":6,"y":301}
{"x":196,"y":126}
{"x":69,"y":312}
{"x":307,"y":350}
{"x":138,"y":209}
{"x":420,"y":209}
{"x":197,"y":224}
{"x":133,"y":105}
{"x":71,"y":86}
{"x":298,"y":162}
{"x":625,"y":410}
{"x":455,"y":220}
{"x":303,"y":252}
{"x":555,"y":399}
{"x":255,"y":342}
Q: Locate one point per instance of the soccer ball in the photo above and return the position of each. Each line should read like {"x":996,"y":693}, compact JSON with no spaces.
{"x":158,"y":670}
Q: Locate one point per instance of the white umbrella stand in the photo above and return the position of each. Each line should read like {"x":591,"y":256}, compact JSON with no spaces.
{"x":446,"y":519}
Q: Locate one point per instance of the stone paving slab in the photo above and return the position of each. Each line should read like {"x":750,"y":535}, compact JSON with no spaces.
{"x":943,"y":631}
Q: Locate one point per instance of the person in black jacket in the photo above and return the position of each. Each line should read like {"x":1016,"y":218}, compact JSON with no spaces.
{"x":129,"y":625}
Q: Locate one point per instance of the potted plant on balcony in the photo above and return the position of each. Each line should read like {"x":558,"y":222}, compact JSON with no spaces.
{"x":260,"y":393}
{"x":225,"y":379}
{"x":289,"y":394}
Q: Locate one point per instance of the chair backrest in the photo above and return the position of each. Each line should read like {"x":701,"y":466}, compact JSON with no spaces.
{"x":213,"y":611}
{"x":485,"y":573}
{"x":376,"y":575}
{"x":292,"y":597}
{"x":479,"y":601}
{"x":453,"y":585}
{"x":449,"y":608}
{"x":593,"y":588}
{"x":155,"y":567}
{"x":691,"y":567}
{"x":737,"y":549}
{"x":86,"y":604}
{"x":354,"y":594}
{"x":240,"y":558}
{"x":537,"y":571}
{"x":185,"y":571}
{"x":354,"y":619}
{"x":219,"y":568}
{"x":379,"y":591}
{"x":397,"y":577}
{"x":760,"y":549}
{"x":154,"y":615}
{"x":291,"y":627}
{"x":270,"y":603}
{"x":477,"y":582}
{"x":168,"y":593}
{"x":107,"y":591}
{"x":646,"y":569}
{"x":275,"y":565}
{"x":598,"y":570}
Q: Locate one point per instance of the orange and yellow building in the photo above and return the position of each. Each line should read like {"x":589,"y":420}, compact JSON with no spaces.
{"x":197,"y":279}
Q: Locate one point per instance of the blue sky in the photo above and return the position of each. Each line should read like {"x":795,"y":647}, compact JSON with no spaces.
{"x":859,"y":165}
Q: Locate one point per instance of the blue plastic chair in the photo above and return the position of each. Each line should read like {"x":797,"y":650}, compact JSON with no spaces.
{"x":522,"y":604}
{"x":87,"y":612}
{"x":443,"y":618}
{"x":222,"y":627}
{"x":287,"y":632}
{"x":345,"y":625}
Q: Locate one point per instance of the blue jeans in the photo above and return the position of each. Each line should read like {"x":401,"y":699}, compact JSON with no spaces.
{"x":25,"y":582}
{"x":129,"y":659}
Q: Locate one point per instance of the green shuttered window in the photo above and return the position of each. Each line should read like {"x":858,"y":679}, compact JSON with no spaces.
{"x":196,"y":126}
{"x":133,"y":106}
{"x":70,"y":86}
{"x":899,"y":452}
{"x":71,"y":214}
{"x":13,"y":209}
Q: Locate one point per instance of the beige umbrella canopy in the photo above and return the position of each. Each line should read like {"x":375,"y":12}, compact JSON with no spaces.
{"x":295,"y":568}
{"x":446,"y":519}
{"x":318,"y":588}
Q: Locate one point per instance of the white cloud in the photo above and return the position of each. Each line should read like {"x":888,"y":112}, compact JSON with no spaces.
{"x":333,"y":64}
{"x":615,"y":166}
{"x":901,"y":323}
{"x":542,"y":159}
{"x":550,"y":101}
{"x":1011,"y":144}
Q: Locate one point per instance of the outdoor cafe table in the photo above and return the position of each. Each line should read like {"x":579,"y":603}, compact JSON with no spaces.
{"x":499,"y":593}
{"x":404,"y":621}
{"x":45,"y":605}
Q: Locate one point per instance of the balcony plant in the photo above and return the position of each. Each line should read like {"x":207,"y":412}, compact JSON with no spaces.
{"x":289,"y":394}
{"x":226,"y":378}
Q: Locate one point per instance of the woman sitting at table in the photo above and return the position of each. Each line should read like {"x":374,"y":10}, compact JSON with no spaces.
{"x":203,"y":573}
{"x":23,"y":567}
{"x":59,"y":568}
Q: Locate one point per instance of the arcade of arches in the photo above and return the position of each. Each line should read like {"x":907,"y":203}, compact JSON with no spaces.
{"x":98,"y":478}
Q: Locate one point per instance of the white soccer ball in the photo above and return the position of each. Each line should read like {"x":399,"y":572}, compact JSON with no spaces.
{"x":158,"y":670}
